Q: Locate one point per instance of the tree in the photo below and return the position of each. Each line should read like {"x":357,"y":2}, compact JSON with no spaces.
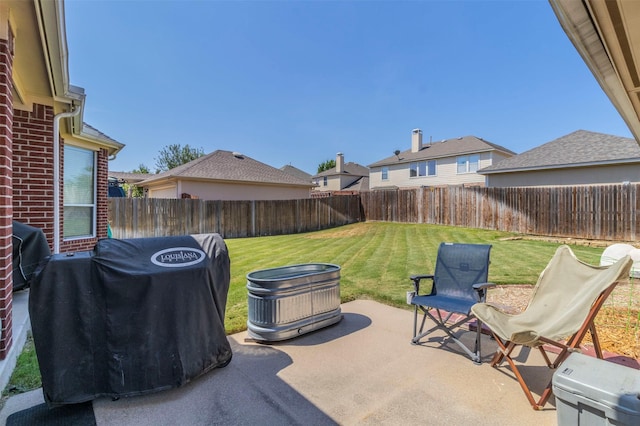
{"x":175,"y":155}
{"x":326,"y":165}
{"x":132,"y":189}
{"x":142,"y":169}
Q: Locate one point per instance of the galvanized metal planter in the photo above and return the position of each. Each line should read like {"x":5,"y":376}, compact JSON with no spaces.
{"x":288,"y":301}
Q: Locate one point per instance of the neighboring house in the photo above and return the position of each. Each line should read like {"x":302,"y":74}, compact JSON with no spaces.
{"x":131,"y":179}
{"x":579,"y":158}
{"x":449,"y":162}
{"x":343,"y":177}
{"x":226,"y":175}
{"x":296,"y":172}
{"x":54,"y":166}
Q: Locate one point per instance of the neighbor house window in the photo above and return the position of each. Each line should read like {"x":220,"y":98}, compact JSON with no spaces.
{"x":468,"y":163}
{"x":324,"y":181}
{"x":431,"y":168}
{"x":385,"y":173}
{"x":422,"y":168}
{"x":79,"y":192}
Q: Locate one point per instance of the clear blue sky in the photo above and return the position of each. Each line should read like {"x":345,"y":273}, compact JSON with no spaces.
{"x":295,"y":82}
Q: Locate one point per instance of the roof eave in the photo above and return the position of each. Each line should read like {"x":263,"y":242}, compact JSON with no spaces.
{"x":435,"y":157}
{"x":112,"y":147}
{"x":52,"y":27}
{"x":175,"y":178}
{"x":579,"y":23}
{"x":561,"y":166}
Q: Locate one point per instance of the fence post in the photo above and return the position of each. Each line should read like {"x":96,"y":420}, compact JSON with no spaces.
{"x":253,"y":218}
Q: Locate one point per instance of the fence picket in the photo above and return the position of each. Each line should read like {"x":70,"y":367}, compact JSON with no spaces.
{"x":591,"y":212}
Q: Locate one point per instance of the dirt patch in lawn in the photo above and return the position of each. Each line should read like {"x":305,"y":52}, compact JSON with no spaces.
{"x":569,"y":241}
{"x":343,"y":232}
{"x":617,"y":323}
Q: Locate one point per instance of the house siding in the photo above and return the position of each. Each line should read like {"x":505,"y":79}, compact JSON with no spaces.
{"x":6,"y":194}
{"x":446,"y":174}
{"x":239,"y":191}
{"x":335,"y":182}
{"x":571,"y":176}
{"x":164,"y":191}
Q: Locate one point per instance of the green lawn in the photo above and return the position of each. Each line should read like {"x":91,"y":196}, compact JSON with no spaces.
{"x":376,"y":260}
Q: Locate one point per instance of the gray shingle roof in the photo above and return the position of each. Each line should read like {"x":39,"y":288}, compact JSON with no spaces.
{"x":350,"y":168}
{"x":228,"y":166}
{"x":129,"y":177}
{"x":294,"y":171}
{"x":95,"y":133}
{"x":447,"y":148}
{"x":580,"y":148}
{"x":360,"y":185}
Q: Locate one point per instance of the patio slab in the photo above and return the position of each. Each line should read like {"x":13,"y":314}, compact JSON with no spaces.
{"x":362,"y":370}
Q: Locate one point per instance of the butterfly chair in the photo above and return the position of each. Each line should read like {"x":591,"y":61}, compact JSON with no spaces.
{"x":458,"y":282}
{"x":565,"y":301}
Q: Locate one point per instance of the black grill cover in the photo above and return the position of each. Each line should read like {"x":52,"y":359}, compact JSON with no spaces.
{"x":30,"y":247}
{"x":131,"y":317}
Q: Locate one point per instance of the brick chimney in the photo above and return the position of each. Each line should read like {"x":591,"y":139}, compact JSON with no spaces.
{"x":339,"y":162}
{"x":416,"y":140}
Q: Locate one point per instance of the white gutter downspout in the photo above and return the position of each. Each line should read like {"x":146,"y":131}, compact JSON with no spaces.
{"x":56,"y":175}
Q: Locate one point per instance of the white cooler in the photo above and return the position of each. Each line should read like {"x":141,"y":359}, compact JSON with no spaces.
{"x":591,"y":391}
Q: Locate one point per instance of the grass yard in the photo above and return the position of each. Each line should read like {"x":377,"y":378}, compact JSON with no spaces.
{"x":376,"y":260}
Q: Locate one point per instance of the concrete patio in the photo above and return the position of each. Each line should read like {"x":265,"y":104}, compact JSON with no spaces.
{"x":362,"y":370}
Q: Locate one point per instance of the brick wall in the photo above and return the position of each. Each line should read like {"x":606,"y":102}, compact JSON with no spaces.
{"x":33,"y":168}
{"x":33,"y":178}
{"x":6,"y":193}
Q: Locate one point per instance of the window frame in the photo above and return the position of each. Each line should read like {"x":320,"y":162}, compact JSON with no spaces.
{"x":420,"y":169}
{"x":466,"y":161}
{"x":94,"y":189}
{"x":385,"y":173}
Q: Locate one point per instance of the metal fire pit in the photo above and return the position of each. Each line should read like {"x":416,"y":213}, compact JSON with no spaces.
{"x":288,"y":301}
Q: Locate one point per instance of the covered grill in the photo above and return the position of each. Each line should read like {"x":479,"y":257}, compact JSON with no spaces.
{"x":30,"y":247}
{"x":130,"y":317}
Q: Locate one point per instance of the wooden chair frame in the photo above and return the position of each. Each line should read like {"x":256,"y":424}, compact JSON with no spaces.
{"x":573,"y":344}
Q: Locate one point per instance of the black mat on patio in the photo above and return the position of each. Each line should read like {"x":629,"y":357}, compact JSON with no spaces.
{"x":66,"y":415}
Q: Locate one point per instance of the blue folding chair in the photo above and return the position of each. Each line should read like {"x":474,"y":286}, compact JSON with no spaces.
{"x":458,"y":282}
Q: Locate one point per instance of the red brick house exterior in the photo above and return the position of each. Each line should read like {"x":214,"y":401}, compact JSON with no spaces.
{"x":34,"y":91}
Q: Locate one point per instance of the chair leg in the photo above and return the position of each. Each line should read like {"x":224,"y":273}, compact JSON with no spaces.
{"x":415,"y":321}
{"x":504,"y":353}
{"x":504,"y":348}
{"x":596,"y":342}
{"x":417,"y":333}
{"x":478,"y":357}
{"x":441,"y":323}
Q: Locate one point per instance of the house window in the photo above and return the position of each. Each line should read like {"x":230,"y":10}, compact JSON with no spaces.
{"x":422,"y":168}
{"x":385,"y":173}
{"x":468,"y":163}
{"x":79,"y":192}
{"x":324,"y":181}
{"x":431,"y":168}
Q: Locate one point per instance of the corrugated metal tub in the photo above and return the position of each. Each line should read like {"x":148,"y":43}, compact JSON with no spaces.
{"x":288,"y":301}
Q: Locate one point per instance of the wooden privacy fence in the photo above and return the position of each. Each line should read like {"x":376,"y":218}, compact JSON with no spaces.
{"x":156,"y":217}
{"x":607,"y":212}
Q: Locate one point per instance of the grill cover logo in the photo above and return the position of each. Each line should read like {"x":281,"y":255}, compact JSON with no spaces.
{"x":177,"y":257}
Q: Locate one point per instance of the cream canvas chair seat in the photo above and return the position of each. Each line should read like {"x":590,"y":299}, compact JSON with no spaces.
{"x":567,"y":297}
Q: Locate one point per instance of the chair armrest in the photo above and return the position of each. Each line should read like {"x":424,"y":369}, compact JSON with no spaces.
{"x":416,"y":281}
{"x":482,"y":288}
